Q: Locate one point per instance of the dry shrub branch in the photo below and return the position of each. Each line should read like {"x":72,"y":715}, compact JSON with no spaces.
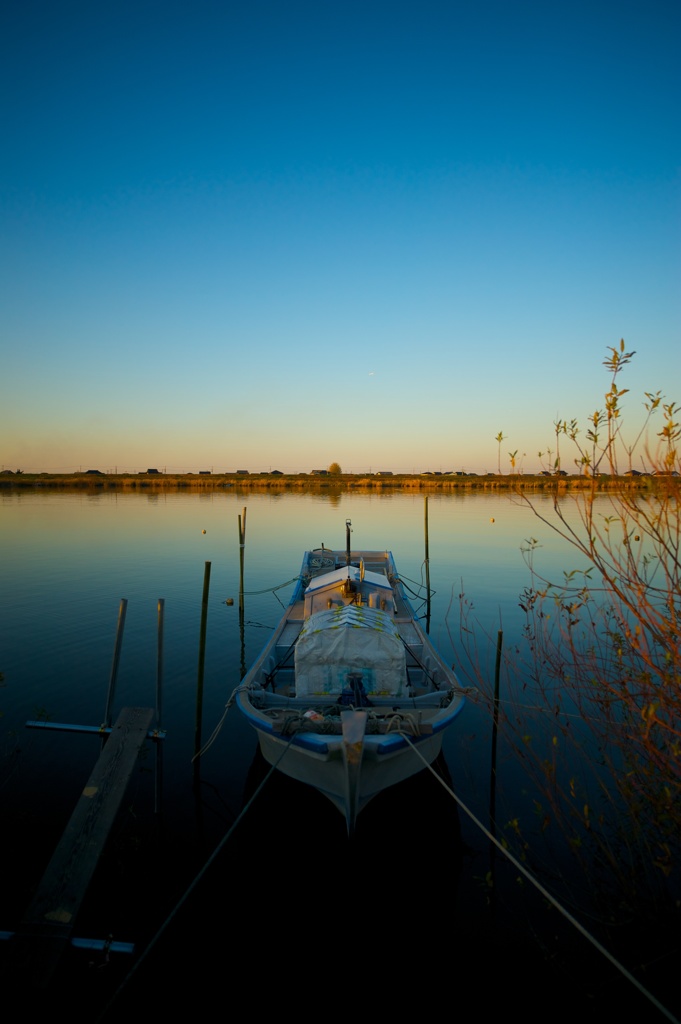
{"x":601,"y":661}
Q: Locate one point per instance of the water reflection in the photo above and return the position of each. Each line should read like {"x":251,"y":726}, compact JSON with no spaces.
{"x":68,"y":559}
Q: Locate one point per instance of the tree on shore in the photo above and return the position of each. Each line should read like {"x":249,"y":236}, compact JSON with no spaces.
{"x":335,"y":469}
{"x":594,"y":688}
{"x":499,"y":438}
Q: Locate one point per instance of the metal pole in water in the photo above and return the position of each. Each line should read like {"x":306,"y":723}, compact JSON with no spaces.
{"x":116,"y":658}
{"x":202,"y":660}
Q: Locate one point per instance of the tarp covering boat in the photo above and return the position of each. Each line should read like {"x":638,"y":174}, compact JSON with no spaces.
{"x":339,"y":644}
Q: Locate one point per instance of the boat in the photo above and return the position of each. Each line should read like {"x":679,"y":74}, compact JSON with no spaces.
{"x":350,"y":695}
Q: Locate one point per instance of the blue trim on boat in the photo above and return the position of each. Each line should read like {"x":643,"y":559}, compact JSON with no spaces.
{"x":318,"y":744}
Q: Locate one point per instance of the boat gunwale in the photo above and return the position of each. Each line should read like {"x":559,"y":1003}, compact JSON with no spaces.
{"x":379,"y":745}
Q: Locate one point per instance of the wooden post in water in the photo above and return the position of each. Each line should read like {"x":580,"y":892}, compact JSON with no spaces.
{"x":495,"y":726}
{"x":242,"y":548}
{"x":493,"y":773}
{"x":159,"y":704}
{"x":427,"y":561}
{"x":159,"y":663}
{"x":123,"y":607}
{"x":242,"y":552}
{"x":202,"y":661}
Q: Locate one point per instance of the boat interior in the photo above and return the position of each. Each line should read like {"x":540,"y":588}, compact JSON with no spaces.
{"x":334,"y":584}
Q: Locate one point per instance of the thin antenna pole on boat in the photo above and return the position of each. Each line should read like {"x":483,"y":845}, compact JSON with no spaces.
{"x":348,"y":549}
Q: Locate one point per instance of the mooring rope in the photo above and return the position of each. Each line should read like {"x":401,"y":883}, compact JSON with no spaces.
{"x":509,"y":856}
{"x":540,"y":888}
{"x":415,"y":593}
{"x":271,"y":590}
{"x":216,"y":731}
{"x":187,"y":893}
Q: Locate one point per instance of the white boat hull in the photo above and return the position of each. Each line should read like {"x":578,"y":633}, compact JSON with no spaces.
{"x":326,"y":772}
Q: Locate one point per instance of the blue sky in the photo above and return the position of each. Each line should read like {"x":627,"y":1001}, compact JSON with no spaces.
{"x":276,"y":235}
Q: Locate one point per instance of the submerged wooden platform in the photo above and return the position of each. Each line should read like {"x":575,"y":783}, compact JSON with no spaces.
{"x":47,"y":924}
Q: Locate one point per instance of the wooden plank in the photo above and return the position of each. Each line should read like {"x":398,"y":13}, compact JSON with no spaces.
{"x":47,"y":924}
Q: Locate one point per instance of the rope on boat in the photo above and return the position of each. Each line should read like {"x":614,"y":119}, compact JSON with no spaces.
{"x":396,"y":720}
{"x":328,"y":722}
{"x":545,"y":893}
{"x":321,"y":561}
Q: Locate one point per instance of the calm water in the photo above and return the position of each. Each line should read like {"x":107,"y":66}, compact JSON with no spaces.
{"x":68,"y":559}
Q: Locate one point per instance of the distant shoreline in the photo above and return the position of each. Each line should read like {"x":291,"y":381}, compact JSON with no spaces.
{"x":254,"y":482}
